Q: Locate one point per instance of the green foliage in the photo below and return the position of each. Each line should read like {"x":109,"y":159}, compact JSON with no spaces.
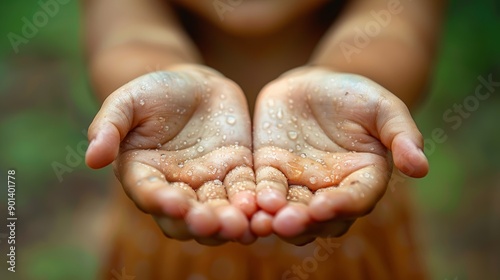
{"x":441,"y":189}
{"x":33,"y":159}
{"x":59,"y":262}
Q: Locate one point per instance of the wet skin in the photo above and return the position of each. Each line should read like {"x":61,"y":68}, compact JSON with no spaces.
{"x":184,"y":151}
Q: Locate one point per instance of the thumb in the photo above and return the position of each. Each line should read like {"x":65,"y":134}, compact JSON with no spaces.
{"x":108,"y":129}
{"x":399,"y":133}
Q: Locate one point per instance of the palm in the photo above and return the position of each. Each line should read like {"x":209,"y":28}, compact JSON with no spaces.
{"x":189,"y":136}
{"x":187,"y":157}
{"x":320,"y":145}
{"x":319,"y":160}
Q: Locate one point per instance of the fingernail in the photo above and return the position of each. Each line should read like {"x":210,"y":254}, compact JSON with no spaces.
{"x":422,"y":153}
{"x":91,"y":143}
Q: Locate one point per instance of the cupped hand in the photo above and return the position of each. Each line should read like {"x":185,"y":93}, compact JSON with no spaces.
{"x":321,"y":142}
{"x":181,"y":145}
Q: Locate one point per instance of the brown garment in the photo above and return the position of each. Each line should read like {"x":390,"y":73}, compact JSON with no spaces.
{"x":379,"y":246}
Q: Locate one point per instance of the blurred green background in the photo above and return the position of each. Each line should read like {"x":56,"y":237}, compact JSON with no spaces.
{"x":46,"y":105}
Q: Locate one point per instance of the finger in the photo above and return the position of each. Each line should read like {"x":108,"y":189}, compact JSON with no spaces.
{"x":314,"y":169}
{"x":240,"y":187}
{"x":175,"y":202}
{"x":233,"y":222}
{"x":400,"y":134}
{"x":201,"y":220}
{"x":149,"y":190}
{"x":291,"y":220}
{"x":262,"y":223}
{"x":108,"y":129}
{"x":131,"y":106}
{"x":212,"y":166}
{"x":174,"y":228}
{"x":356,"y":196}
{"x":212,"y":190}
{"x":271,"y":190}
{"x":299,"y":194}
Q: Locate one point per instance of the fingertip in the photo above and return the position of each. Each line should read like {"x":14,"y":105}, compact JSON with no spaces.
{"x":202,"y":221}
{"x":321,"y":207}
{"x":271,"y":189}
{"x":90,"y":158}
{"x":103,"y":148}
{"x":245,"y":201}
{"x":173,"y":228}
{"x":400,"y":134}
{"x":262,"y":224}
{"x":421,"y":165}
{"x":340,"y":204}
{"x":271,"y":200}
{"x":413,"y":163}
{"x":173,"y":203}
{"x":291,"y":220}
{"x":233,"y":222}
{"x":409,"y":157}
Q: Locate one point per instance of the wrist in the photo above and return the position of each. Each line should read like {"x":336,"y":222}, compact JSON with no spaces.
{"x":307,"y":69}
{"x":114,"y":67}
{"x":196,"y":67}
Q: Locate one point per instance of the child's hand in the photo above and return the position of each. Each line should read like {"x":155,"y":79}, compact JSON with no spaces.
{"x":321,"y":142}
{"x":182,"y":144}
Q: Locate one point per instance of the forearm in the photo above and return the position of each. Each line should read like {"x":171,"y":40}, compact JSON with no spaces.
{"x":397,"y":52}
{"x":141,"y":37}
{"x":116,"y":66}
